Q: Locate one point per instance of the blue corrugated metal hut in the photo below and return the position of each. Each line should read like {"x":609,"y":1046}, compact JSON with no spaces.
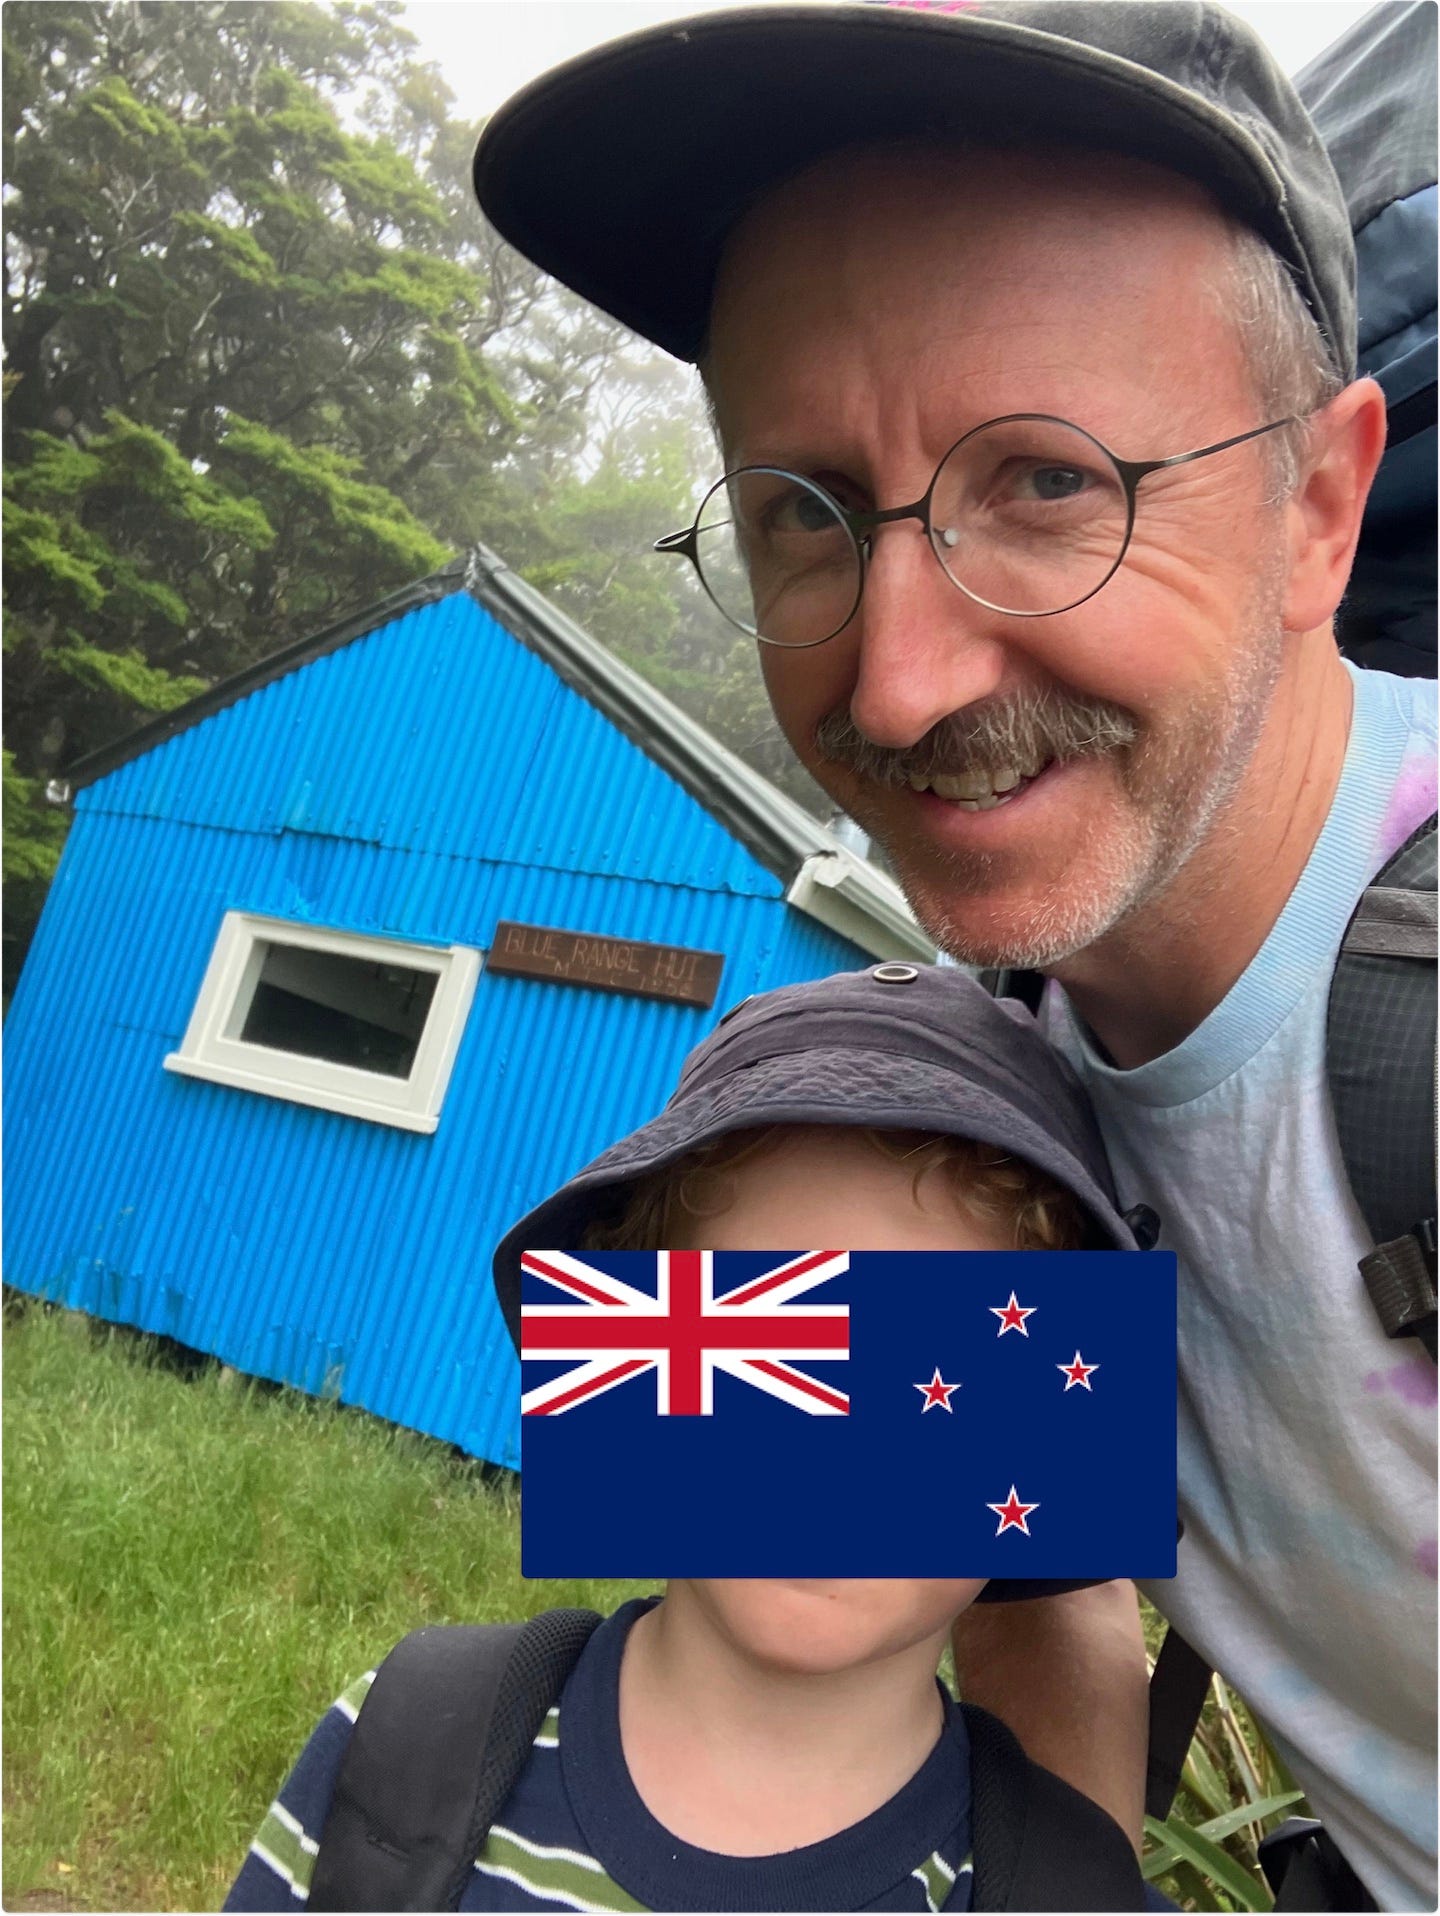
{"x":276,"y":1083}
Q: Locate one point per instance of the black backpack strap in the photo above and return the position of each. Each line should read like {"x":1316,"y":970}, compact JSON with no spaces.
{"x":440,"y":1741}
{"x":1179,"y":1684}
{"x":1037,"y":1843}
{"x":1380,"y":1061}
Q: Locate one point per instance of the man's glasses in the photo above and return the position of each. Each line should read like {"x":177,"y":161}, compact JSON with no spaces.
{"x":1028,"y":515}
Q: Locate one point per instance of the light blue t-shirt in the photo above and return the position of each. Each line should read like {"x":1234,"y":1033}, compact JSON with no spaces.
{"x":1307,"y":1439}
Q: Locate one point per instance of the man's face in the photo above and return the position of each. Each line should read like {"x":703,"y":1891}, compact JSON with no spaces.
{"x":867,"y":316}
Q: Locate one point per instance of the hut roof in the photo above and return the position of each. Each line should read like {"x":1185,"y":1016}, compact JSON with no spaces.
{"x":824,"y":878}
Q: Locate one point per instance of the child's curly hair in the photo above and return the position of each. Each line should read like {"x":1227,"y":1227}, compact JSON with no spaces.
{"x":991,"y":1186}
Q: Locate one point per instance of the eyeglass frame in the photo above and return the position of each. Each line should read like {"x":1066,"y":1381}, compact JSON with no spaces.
{"x":861,"y":525}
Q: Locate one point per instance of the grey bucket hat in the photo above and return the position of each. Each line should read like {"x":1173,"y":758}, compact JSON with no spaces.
{"x":622,"y":171}
{"x":899,"y":1047}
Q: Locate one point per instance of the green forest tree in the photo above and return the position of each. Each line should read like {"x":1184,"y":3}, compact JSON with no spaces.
{"x":265,"y":363}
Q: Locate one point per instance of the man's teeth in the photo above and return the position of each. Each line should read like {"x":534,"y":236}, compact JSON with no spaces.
{"x":975,"y":791}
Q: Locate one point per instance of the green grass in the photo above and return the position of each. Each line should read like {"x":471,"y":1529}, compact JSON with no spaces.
{"x":194,"y":1568}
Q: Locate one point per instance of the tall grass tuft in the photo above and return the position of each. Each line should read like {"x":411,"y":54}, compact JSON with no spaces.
{"x":194,"y":1568}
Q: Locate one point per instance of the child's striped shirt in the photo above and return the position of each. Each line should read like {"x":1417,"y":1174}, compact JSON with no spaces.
{"x":574,"y":1834}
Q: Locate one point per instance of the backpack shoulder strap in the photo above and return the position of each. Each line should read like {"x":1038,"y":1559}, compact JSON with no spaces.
{"x":439,"y":1743}
{"x":1380,"y":1062}
{"x":1179,"y":1684}
{"x":1038,"y":1844}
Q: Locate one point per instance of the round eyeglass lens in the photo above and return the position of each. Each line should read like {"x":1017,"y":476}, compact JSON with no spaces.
{"x":777,"y":557}
{"x":1029,"y":515}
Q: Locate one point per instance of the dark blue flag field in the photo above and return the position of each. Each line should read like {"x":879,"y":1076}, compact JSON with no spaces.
{"x":848,"y":1414}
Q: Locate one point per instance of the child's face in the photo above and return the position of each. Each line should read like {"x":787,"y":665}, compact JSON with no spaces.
{"x":832,"y":1186}
{"x":817,"y":1626}
{"x":827,"y":1185}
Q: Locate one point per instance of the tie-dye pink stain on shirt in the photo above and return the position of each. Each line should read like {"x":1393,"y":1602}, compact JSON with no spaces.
{"x":1413,"y":1381}
{"x":1425,"y":1556}
{"x":1411,"y":802}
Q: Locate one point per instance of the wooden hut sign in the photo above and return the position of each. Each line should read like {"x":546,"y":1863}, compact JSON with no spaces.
{"x":614,"y":964}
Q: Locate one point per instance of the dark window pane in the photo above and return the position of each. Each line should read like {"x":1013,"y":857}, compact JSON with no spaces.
{"x":347,"y":1011}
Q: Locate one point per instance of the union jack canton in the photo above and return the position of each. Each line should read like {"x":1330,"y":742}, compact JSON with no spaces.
{"x":615,"y":1332}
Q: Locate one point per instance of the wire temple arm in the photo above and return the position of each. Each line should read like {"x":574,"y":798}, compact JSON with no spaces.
{"x":1139,"y":468}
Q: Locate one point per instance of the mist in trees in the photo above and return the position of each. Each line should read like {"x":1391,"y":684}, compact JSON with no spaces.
{"x":265,"y":363}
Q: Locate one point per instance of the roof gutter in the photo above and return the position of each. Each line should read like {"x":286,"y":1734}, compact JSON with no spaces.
{"x":843,"y":893}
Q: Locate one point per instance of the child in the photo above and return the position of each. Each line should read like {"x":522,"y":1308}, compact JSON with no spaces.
{"x":783,"y":1744}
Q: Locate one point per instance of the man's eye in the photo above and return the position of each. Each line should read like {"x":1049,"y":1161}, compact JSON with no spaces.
{"x":1055,"y":482}
{"x":812,"y":514}
{"x":803,"y":512}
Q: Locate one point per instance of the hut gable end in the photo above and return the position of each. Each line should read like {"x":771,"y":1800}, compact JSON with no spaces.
{"x":437,"y":734}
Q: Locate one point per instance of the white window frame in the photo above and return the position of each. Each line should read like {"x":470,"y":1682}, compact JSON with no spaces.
{"x":209,"y":1051}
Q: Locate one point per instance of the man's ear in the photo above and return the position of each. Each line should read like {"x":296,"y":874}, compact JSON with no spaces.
{"x":1347,"y":438}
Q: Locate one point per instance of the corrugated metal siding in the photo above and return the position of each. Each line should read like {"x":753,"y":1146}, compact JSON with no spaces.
{"x":299,"y":1244}
{"x":438,"y":732}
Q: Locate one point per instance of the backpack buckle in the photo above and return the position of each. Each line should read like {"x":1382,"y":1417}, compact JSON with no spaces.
{"x":1400,"y":1277}
{"x":1305,"y":1870}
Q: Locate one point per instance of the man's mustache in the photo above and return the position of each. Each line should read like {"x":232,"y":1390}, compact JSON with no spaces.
{"x":1023,"y":731}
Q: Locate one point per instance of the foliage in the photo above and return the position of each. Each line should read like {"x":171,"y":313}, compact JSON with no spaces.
{"x":1233,"y":1790}
{"x":34,"y":837}
{"x":195,"y":1567}
{"x":266,"y":363}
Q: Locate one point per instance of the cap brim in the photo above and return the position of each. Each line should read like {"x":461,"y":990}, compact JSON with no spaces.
{"x":622,"y":171}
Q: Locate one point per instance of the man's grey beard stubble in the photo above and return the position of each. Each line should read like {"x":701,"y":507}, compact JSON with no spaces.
{"x":1176,"y":781}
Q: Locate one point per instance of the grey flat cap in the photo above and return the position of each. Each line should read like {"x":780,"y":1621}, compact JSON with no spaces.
{"x":621,"y":172}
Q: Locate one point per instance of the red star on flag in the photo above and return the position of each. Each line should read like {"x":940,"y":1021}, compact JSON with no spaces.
{"x":1012,"y":1514}
{"x":1077,"y":1373}
{"x":935,"y":1393}
{"x":1012,"y":1316}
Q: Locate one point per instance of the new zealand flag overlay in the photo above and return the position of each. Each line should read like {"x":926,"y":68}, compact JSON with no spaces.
{"x":838,"y":1414}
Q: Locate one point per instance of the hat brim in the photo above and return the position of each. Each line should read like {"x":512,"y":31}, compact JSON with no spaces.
{"x":622,"y":171}
{"x":917,"y":1096}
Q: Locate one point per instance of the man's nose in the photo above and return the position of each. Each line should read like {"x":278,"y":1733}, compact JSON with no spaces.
{"x":925,"y":650}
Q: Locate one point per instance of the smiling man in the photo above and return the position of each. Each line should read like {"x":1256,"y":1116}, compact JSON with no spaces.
{"x":1049,"y":756}
{"x":1029,"y":332}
